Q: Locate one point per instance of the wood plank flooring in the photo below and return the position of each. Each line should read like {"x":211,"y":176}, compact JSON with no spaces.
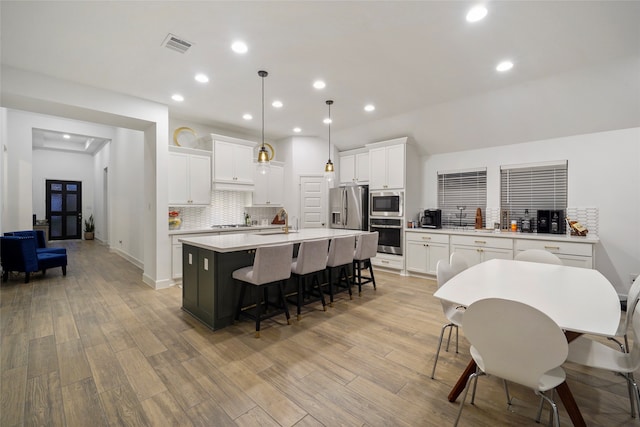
{"x":100,"y":348}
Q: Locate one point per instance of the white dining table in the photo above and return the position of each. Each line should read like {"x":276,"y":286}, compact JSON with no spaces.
{"x":579,"y":300}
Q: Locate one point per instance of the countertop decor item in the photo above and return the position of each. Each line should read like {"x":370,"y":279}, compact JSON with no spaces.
{"x":184,"y":137}
{"x":263,"y":155}
{"x":478,"y":218}
{"x":174,"y":220}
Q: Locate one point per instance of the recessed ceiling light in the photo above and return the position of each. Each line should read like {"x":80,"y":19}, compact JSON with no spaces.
{"x":277,"y":104}
{"x":319,"y":84}
{"x":504,"y":66}
{"x":476,"y":13}
{"x":66,"y":136}
{"x":247,"y":116}
{"x":202,"y":78}
{"x":369,"y":107}
{"x":239,"y":47}
{"x":177,"y":97}
{"x":327,"y":121}
{"x":297,"y":130}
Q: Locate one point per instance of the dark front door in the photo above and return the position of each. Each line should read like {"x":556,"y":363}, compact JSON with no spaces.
{"x":64,"y":209}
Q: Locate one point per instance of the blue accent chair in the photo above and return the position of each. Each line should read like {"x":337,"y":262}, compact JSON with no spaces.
{"x":41,"y":243}
{"x":19,"y":253}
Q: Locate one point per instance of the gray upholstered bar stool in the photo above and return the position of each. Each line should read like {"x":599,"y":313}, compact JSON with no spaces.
{"x":312,"y":259}
{"x":271,"y":268}
{"x":366,"y":248}
{"x":340,"y":257}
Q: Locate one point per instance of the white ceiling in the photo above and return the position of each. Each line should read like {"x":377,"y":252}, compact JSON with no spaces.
{"x":430,"y":74}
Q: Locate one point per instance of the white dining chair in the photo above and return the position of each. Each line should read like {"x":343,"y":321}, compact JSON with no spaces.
{"x":458,"y":262}
{"x":518,"y":343}
{"x":538,"y":255}
{"x":623,"y":328}
{"x":452,"y":312}
{"x":588,"y":352}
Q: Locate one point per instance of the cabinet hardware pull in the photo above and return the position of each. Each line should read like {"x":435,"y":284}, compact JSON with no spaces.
{"x":553,"y":247}
{"x":426,"y":238}
{"x":384,"y":262}
{"x":480,"y":241}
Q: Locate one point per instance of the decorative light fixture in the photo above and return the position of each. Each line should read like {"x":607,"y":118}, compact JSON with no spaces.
{"x":263,"y":155}
{"x":329,"y":172}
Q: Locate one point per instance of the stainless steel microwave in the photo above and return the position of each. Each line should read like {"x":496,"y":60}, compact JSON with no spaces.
{"x":386,"y":203}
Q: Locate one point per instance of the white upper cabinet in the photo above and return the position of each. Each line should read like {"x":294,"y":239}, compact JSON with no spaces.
{"x":354,"y":168}
{"x":232,"y":166}
{"x":269,"y":188}
{"x":189,"y":177}
{"x":386,"y":167}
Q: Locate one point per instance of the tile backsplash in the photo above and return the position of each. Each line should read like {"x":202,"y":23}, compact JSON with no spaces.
{"x":227,"y":207}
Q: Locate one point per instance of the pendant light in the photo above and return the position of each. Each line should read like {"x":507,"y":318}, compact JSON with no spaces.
{"x":329,"y":172}
{"x":263,"y":155}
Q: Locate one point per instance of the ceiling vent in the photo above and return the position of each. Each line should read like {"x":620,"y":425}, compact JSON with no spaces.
{"x":176,"y":43}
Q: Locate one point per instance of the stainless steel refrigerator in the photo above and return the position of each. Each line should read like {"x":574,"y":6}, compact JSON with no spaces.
{"x":349,"y":207}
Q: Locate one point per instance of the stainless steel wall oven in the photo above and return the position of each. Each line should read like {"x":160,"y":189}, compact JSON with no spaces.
{"x":390,"y":234}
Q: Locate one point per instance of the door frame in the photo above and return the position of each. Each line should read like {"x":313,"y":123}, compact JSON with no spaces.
{"x":64,"y":212}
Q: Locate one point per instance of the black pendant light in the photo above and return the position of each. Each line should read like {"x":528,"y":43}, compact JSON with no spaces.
{"x":329,"y":172}
{"x":263,"y":155}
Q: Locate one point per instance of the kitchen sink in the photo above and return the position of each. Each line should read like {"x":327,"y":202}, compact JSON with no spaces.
{"x":269,"y":233}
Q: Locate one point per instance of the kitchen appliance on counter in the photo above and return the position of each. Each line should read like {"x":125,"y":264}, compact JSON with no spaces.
{"x":386,"y":203}
{"x":349,"y":207}
{"x":551,"y":221}
{"x":431,"y":218}
{"x":389,"y":234}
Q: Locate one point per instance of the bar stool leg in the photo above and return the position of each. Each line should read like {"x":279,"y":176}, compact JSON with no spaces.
{"x":317,"y":283}
{"x":343,"y":271}
{"x":240,"y":300}
{"x":283,"y":301}
{"x":330,"y":282}
{"x":259,"y":296}
{"x":301,"y":283}
{"x":373,"y":279}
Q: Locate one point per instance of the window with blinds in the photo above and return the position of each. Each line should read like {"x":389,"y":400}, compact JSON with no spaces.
{"x":533,"y":187}
{"x":460,"y":193}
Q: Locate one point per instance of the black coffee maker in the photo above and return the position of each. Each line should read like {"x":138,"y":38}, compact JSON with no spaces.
{"x":551,"y":221}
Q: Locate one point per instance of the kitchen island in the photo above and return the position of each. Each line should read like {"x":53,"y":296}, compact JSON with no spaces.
{"x":208,"y":291}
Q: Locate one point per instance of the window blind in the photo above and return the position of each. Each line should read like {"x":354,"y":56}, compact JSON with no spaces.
{"x":533,"y":187}
{"x":462,"y":189}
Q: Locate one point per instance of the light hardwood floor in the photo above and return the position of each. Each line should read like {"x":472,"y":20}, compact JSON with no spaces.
{"x":99,"y":347}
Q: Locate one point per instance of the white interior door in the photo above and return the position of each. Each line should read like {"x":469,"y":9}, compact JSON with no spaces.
{"x":313,"y":201}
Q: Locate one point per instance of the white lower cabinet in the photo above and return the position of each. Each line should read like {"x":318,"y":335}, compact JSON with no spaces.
{"x":424,"y":250}
{"x":394,"y":262}
{"x":575,"y":254}
{"x":477,"y":249}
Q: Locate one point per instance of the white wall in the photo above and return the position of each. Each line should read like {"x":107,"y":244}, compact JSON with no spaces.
{"x":57,"y":165}
{"x":302,"y":156}
{"x":604,"y":172}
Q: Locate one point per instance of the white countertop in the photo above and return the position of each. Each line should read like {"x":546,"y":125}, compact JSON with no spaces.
{"x":242,"y":241}
{"x":592,"y":239}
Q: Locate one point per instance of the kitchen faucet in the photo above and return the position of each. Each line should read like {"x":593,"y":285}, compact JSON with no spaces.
{"x":283,"y":211}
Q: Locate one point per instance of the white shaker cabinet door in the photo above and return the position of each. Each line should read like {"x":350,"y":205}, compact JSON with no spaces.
{"x":178,"y":179}
{"x":200,"y":180}
{"x":347,"y":169}
{"x":243,"y":164}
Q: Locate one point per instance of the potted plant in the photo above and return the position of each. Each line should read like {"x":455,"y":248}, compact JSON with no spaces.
{"x":89,"y":228}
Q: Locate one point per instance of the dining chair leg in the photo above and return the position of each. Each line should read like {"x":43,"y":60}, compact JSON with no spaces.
{"x":448,"y":325}
{"x":553,"y":415}
{"x":464,"y":397}
{"x":475,"y":386}
{"x":449,"y":339}
{"x":506,"y":390}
